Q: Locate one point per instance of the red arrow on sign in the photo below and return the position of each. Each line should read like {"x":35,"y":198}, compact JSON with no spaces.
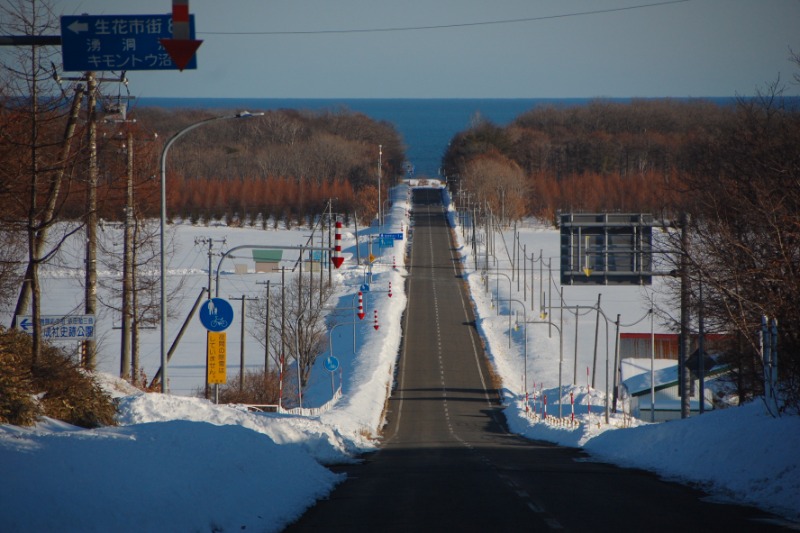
{"x":180,"y":48}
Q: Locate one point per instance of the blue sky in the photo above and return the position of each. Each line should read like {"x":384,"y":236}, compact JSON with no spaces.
{"x":679,"y":49}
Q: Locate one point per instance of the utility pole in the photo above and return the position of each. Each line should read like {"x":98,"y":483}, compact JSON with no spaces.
{"x":90,"y":347}
{"x":596,"y":333}
{"x":686,"y":342}
{"x":244,"y":300}
{"x":126,"y":371}
{"x":210,"y":242}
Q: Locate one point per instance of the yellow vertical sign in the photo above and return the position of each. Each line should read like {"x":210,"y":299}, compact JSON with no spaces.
{"x":217,"y":360}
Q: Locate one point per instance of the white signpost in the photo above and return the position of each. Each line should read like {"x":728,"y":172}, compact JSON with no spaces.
{"x":60,"y":327}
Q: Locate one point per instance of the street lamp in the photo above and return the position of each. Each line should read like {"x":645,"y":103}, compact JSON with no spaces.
{"x":380,"y":165}
{"x":164,"y":151}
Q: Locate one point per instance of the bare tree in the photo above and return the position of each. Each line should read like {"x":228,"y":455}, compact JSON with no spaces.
{"x":745,"y":203}
{"x":296,"y":322}
{"x":40,"y":147}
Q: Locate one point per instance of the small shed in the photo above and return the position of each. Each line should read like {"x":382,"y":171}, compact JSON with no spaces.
{"x":636,"y":386}
{"x":267,"y":260}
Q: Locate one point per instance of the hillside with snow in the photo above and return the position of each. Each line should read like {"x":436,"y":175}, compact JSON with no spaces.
{"x":177,"y":462}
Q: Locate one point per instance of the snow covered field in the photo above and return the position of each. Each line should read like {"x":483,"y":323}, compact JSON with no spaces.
{"x":179,"y":463}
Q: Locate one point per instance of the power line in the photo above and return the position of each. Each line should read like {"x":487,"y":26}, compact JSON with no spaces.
{"x":446,"y":26}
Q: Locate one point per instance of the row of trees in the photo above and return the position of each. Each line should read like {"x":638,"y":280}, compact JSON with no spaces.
{"x":66,"y":164}
{"x":635,"y":152}
{"x":735,"y":170}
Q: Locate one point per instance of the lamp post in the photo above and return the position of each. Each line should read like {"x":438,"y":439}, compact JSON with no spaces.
{"x":525,"y":334}
{"x":560,"y":357}
{"x":380,"y":170}
{"x":164,"y":151}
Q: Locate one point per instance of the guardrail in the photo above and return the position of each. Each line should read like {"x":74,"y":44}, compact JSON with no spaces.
{"x":298,"y":411}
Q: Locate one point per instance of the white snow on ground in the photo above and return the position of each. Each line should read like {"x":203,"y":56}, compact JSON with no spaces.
{"x":179,"y":463}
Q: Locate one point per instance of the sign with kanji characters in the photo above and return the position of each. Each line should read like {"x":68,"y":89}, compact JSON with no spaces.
{"x":118,"y":42}
{"x":61,"y":327}
{"x":217,"y":357}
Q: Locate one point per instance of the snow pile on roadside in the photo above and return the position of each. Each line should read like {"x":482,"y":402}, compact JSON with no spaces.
{"x":176,"y":475}
{"x":740,"y":455}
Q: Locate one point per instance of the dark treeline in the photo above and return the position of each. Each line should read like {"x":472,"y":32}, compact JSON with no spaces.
{"x":284,"y":165}
{"x":600,"y":156}
{"x":734,"y":170}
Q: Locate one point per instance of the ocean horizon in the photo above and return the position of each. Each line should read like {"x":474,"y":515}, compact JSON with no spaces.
{"x":427,"y":125}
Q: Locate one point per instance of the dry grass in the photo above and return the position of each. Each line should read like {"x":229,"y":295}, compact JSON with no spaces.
{"x":55,"y":386}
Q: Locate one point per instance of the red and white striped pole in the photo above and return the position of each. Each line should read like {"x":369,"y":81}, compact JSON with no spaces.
{"x":390,"y":289}
{"x":361,"y":313}
{"x":181,"y":47}
{"x":544,"y":406}
{"x":337,"y":258}
{"x":180,"y":19}
{"x":376,"y":326}
{"x":572,"y":406}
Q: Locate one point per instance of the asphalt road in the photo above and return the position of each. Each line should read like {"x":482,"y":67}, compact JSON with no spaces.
{"x":447,"y":462}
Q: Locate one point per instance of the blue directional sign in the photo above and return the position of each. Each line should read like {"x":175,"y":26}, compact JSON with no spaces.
{"x":118,"y":42}
{"x":393,"y":236}
{"x":216,"y":314}
{"x":364,"y":287}
{"x":331,"y":364}
{"x":61,"y":327}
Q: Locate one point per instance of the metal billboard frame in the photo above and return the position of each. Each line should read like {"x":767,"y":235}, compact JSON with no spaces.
{"x":606,"y":248}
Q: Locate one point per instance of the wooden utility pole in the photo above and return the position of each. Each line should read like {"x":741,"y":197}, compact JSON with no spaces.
{"x":90,"y":346}
{"x":126,"y":371}
{"x":244,"y":299}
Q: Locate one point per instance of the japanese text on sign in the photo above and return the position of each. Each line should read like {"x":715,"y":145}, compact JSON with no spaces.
{"x":117,"y":42}
{"x":61,"y":328}
{"x":217,"y":357}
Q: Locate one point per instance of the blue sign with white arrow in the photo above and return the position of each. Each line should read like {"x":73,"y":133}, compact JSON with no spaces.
{"x":216,"y":314}
{"x":61,"y":327}
{"x":118,"y":42}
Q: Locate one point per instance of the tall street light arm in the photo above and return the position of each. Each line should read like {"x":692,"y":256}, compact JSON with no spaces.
{"x":164,"y":151}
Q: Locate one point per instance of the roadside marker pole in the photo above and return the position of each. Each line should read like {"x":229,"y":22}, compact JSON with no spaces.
{"x":390,"y":289}
{"x":337,"y":258}
{"x":376,"y":326}
{"x":361,"y":313}
{"x":572,"y":405}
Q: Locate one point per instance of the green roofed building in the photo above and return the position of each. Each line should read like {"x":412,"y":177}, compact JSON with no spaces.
{"x":267,"y":260}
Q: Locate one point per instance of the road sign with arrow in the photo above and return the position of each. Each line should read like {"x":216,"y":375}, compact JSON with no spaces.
{"x":120,"y":42}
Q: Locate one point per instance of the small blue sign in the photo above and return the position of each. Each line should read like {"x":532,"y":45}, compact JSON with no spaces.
{"x":216,"y":314}
{"x":385,"y":242}
{"x":118,"y":42}
{"x":364,"y":287}
{"x":61,"y":327}
{"x":331,"y":364}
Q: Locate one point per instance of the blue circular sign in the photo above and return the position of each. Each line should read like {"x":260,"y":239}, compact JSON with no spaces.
{"x":216,"y":314}
{"x":331,"y":364}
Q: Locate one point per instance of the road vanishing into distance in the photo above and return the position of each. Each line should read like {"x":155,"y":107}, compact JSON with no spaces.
{"x":447,"y":461}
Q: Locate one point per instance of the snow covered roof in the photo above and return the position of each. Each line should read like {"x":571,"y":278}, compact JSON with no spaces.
{"x":636,"y":374}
